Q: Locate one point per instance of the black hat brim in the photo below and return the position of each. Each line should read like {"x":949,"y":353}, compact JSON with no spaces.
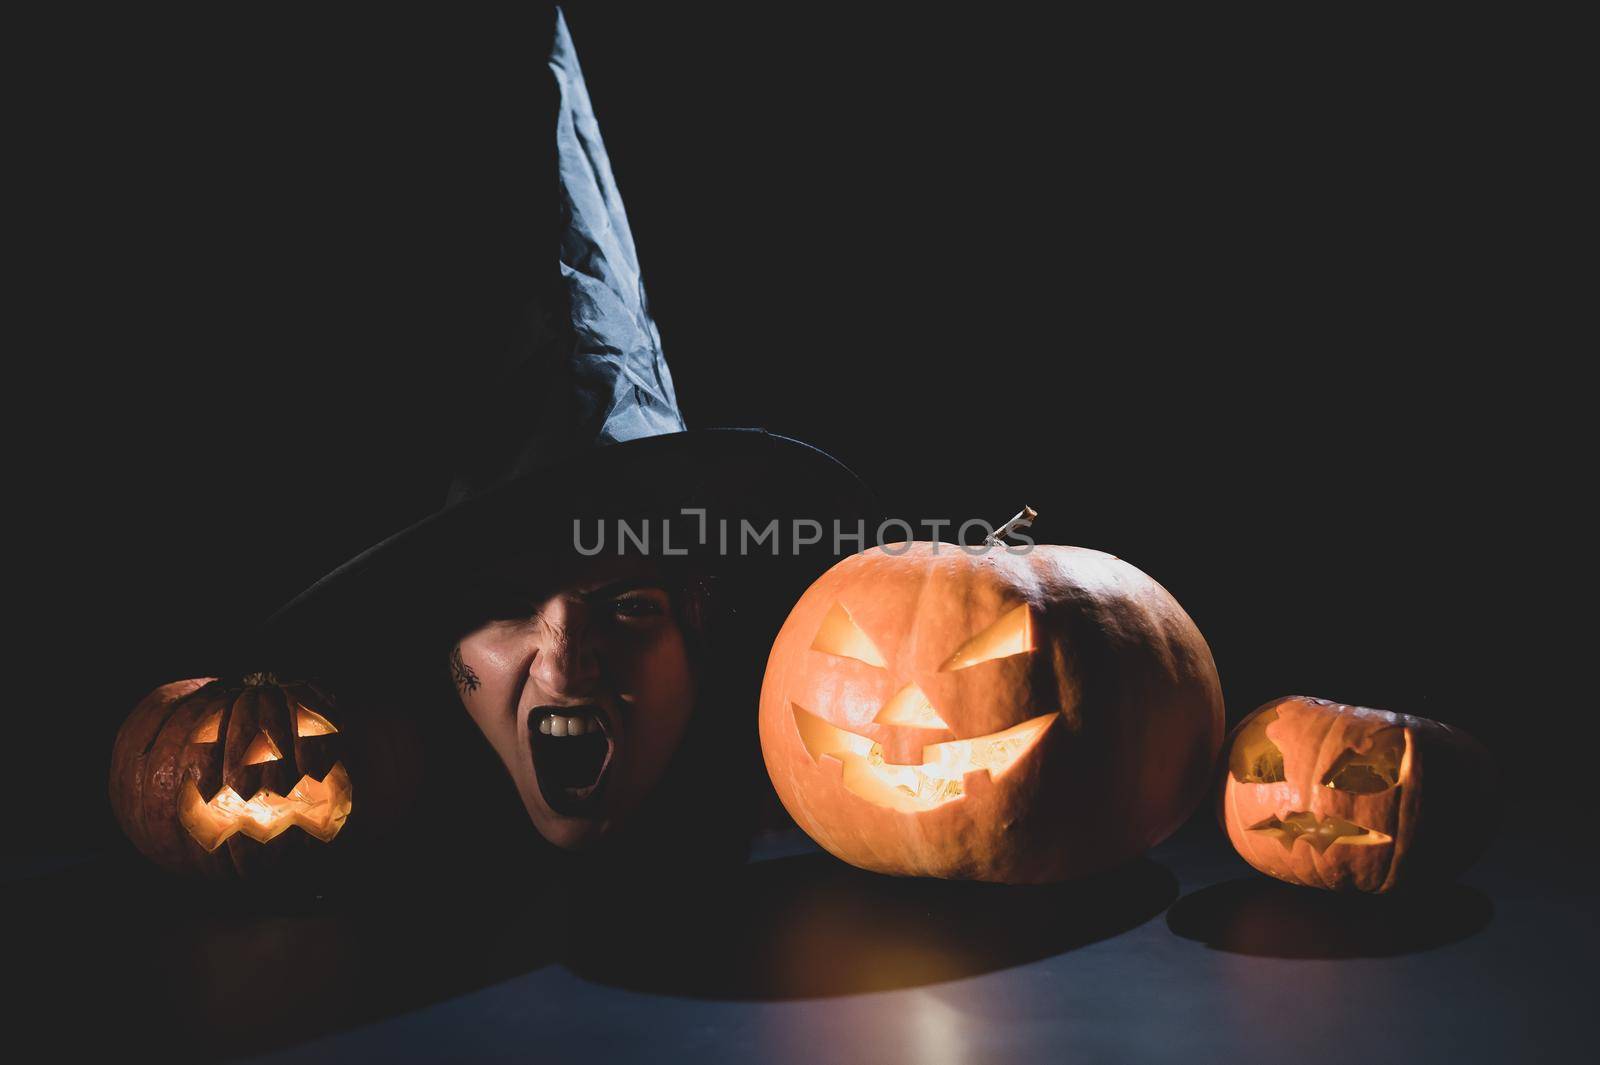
{"x":732,"y":475}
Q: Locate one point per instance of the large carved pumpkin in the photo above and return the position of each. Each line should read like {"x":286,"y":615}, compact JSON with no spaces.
{"x":1354,"y":799}
{"x":237,"y":780}
{"x":1004,"y":716}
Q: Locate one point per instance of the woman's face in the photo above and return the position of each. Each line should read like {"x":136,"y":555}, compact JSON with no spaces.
{"x":584,"y":690}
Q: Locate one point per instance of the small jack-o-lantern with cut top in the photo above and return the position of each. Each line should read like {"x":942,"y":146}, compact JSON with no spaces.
{"x":236,"y":780}
{"x":1012,"y":715}
{"x":1349,"y":798}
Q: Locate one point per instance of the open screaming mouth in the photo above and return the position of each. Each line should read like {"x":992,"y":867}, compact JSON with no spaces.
{"x":572,"y":749}
{"x":1320,"y":832}
{"x":320,"y":807}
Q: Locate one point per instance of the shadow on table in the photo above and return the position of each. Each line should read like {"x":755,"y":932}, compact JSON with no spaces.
{"x":810,"y":926}
{"x":119,"y":955}
{"x":109,"y":953}
{"x":1265,"y":917}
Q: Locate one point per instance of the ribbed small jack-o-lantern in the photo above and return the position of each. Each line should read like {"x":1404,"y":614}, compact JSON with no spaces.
{"x":237,"y":780}
{"x":1003,"y":716}
{"x":1349,"y":798}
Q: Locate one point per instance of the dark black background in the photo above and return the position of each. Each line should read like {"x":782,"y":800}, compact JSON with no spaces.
{"x":1260,"y":308}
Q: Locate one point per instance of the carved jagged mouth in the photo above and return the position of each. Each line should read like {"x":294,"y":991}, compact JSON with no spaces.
{"x":940,"y":778}
{"x":1320,"y":832}
{"x":319,"y":807}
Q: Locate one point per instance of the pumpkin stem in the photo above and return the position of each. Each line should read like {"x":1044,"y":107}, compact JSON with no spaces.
{"x":257,"y":680}
{"x":1022,"y":520}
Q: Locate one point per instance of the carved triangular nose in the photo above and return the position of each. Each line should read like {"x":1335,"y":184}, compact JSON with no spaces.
{"x":910,"y":707}
{"x":261,"y":749}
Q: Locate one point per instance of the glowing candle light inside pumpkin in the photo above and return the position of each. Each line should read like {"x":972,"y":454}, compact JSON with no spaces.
{"x":931,"y":710}
{"x":1331,"y":796}
{"x":193,"y":750}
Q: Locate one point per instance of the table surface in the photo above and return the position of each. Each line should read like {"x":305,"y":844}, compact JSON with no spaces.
{"x":1186,"y":955}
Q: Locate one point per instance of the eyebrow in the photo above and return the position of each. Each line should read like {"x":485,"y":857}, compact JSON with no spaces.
{"x":485,"y":585}
{"x":616,"y":588}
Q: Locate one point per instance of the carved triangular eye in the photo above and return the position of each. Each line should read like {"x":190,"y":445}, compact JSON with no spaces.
{"x":1011,"y":635}
{"x":1376,"y":770}
{"x":210,"y":728}
{"x":839,"y":635}
{"x":308,"y":722}
{"x":1255,"y":759}
{"x":261,"y":749}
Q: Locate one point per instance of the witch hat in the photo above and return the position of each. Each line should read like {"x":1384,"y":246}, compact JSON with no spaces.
{"x":585,"y":427}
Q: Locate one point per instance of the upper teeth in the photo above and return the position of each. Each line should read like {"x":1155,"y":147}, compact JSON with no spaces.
{"x":558,"y":725}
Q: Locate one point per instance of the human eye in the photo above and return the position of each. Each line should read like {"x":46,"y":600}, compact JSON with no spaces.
{"x":640,"y":605}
